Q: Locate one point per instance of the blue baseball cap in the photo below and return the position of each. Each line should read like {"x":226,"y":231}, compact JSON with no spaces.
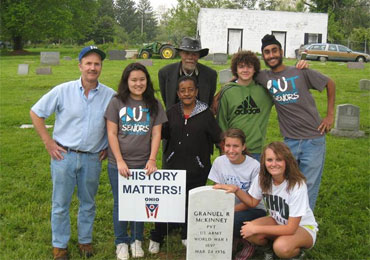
{"x":89,"y":49}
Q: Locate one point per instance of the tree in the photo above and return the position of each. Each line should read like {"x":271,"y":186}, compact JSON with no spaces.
{"x":344,"y":15}
{"x":104,"y":30}
{"x":149,"y":23}
{"x":104,"y":27}
{"x":127,"y":15}
{"x":37,"y":20}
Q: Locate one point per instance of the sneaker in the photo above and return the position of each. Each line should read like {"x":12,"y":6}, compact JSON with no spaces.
{"x":246,"y":252}
{"x":268,"y":255}
{"x":136,"y":249}
{"x":184,"y":242}
{"x":60,"y":253}
{"x":122,"y":251}
{"x":86,"y":250}
{"x":153,"y":247}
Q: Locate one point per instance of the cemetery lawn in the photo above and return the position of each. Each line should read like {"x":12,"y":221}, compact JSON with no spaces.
{"x":342,"y":209}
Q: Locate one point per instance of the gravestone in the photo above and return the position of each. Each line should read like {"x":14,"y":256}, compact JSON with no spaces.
{"x":23,"y":69}
{"x":364,"y":84}
{"x":355,"y":65}
{"x":219,"y":58}
{"x":67,"y":58}
{"x":49,"y":58}
{"x":131,"y":54}
{"x":43,"y":71}
{"x":146,"y":63}
{"x":210,"y":224}
{"x":117,"y":55}
{"x":209,"y":57}
{"x":347,"y":121}
{"x":225,"y":76}
{"x":31,"y":126}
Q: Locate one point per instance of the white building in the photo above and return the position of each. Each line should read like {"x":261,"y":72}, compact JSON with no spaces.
{"x":227,"y":30}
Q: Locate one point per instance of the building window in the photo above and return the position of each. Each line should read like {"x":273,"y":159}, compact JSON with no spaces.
{"x":312,"y":38}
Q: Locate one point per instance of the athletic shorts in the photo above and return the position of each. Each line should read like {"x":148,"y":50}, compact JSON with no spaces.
{"x":312,"y":230}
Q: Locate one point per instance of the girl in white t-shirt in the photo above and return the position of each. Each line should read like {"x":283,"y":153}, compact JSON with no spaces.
{"x":238,"y":168}
{"x":290,"y":223}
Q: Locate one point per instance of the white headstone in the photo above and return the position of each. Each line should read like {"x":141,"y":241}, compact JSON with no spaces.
{"x":219,"y":58}
{"x":347,"y":121}
{"x":23,"y":69}
{"x":225,"y":76}
{"x":49,"y":58}
{"x":210,"y":224}
{"x":131,"y":53}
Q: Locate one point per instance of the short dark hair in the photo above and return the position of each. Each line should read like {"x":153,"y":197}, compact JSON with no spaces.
{"x":238,"y":134}
{"x":246,"y":57}
{"x":186,"y":78}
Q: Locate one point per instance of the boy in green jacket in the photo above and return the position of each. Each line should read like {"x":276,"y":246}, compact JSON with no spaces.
{"x":244,"y":104}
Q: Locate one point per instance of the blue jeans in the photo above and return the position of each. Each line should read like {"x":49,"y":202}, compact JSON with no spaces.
{"x":310,"y":155}
{"x":120,"y":227}
{"x":245,"y":215}
{"x":82,"y":170}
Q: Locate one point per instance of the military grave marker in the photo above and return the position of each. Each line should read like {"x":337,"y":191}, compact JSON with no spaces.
{"x":210,"y":224}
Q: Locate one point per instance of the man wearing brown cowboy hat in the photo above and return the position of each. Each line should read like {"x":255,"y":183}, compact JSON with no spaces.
{"x":190,"y":51}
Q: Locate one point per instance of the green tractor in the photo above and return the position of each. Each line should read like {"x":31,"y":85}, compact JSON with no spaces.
{"x":166,"y":50}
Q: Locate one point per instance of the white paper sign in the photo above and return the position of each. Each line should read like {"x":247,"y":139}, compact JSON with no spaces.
{"x":159,"y":197}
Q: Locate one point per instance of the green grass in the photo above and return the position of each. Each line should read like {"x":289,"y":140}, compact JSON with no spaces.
{"x":342,"y":209}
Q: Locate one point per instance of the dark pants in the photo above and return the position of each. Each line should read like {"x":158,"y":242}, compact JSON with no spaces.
{"x":245,"y":215}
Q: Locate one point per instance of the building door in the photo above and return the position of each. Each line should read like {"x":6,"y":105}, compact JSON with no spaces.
{"x":281,"y":37}
{"x":234,"y":40}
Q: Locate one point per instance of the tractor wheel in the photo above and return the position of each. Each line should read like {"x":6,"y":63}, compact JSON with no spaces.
{"x":167,"y":52}
{"x":145,"y":55}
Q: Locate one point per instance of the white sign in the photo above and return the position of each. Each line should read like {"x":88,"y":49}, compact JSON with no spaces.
{"x":159,"y":197}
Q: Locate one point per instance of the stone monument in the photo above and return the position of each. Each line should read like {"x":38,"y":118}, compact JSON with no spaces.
{"x":347,"y":121}
{"x":146,"y":63}
{"x":117,"y":55}
{"x":225,"y":76}
{"x":23,"y":69}
{"x":43,"y":71}
{"x":219,"y":58}
{"x":49,"y":58}
{"x":355,"y":65}
{"x":209,"y":57}
{"x":364,"y":84}
{"x":131,"y":53}
{"x":210,"y":224}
